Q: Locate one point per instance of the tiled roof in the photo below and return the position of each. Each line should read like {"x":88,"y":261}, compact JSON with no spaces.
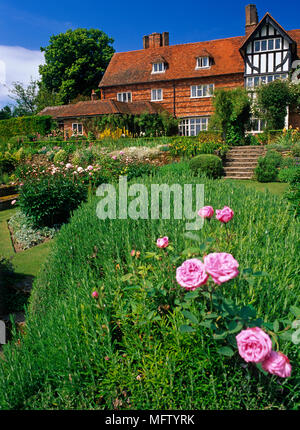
{"x":136,"y":66}
{"x":101,"y":107}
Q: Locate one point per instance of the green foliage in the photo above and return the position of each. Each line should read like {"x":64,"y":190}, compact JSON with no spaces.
{"x":25,"y":98}
{"x":272,"y":101}
{"x":75,"y":61}
{"x":267,"y":167}
{"x":26,"y":234}
{"x":231,"y":115}
{"x":210,"y":165}
{"x":293,"y":192}
{"x":287,"y":174}
{"x":61,"y":156}
{"x":125,"y":349}
{"x":49,"y":201}
{"x":207,"y":142}
{"x":26,"y":125}
{"x":6,"y":112}
{"x":146,"y":124}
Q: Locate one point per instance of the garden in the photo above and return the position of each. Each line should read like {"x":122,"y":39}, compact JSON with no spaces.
{"x":137,"y":313}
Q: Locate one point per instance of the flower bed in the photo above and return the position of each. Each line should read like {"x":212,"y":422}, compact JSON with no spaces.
{"x":111,"y":328}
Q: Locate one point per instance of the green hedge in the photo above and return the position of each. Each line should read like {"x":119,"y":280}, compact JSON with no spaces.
{"x":26,"y":125}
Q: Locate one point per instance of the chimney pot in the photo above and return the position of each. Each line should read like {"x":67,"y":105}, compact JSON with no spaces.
{"x":94,"y":96}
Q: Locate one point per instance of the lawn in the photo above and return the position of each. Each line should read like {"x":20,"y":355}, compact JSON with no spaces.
{"x":28,"y":262}
{"x":277,"y":188}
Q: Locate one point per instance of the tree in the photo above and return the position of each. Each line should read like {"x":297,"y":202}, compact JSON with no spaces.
{"x":75,"y":62}
{"x":6,"y":112}
{"x":25,"y":98}
{"x":231,"y":114}
{"x":272,"y":102}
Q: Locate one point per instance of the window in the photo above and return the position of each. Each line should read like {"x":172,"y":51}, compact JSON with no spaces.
{"x":198,"y":91}
{"x":124,"y":97}
{"x":257,"y":125}
{"x":77,"y":129}
{"x":156,"y":95}
{"x":193,"y":126}
{"x":158,"y":67}
{"x":253,"y":82}
{"x":202,"y":63}
{"x":267,"y":45}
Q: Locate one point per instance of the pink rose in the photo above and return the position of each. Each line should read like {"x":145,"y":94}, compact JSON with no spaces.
{"x":89,"y":168}
{"x":221,"y":267}
{"x":191,"y":274}
{"x":206,"y":212}
{"x":132,"y":253}
{"x":95,"y":294}
{"x":254,"y":345}
{"x":277,"y":364}
{"x":13,"y":202}
{"x":225,"y":214}
{"x":79,"y":169}
{"x":162,"y":242}
{"x":69,"y":166}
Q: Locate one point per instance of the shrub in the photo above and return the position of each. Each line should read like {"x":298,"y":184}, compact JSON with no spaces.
{"x":287,"y":174}
{"x":293,"y":192}
{"x":49,"y":201}
{"x":60,"y":157}
{"x":266,"y":170}
{"x":7,"y":162}
{"x":204,"y":143}
{"x":210,"y":165}
{"x":36,"y":124}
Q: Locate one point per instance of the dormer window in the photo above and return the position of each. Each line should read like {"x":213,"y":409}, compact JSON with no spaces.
{"x":158,"y":67}
{"x":202,"y":63}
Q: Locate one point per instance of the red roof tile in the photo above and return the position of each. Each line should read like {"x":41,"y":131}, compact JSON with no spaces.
{"x":136,"y":66}
{"x":101,"y":107}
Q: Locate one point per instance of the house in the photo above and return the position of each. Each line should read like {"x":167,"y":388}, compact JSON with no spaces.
{"x":70,"y":118}
{"x":182,"y":78}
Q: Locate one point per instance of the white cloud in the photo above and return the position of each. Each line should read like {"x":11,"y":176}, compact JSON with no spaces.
{"x":17,"y":64}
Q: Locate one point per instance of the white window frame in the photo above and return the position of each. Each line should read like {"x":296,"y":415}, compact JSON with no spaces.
{"x":158,"y":67}
{"x":260,"y":42}
{"x":197,"y":91}
{"x":200,"y":63}
{"x":125,"y":97}
{"x":192,"y":126}
{"x":255,"y":81}
{"x":155,"y":92}
{"x":75,"y":126}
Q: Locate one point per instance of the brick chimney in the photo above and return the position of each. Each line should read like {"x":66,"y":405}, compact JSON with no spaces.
{"x":156,"y":40}
{"x":94,"y":96}
{"x":251,"y":18}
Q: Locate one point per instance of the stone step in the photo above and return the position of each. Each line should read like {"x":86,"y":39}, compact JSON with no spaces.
{"x":241,"y":163}
{"x":6,"y":201}
{"x":250,"y":153}
{"x":243,"y":157}
{"x":240,"y":174}
{"x":238,"y":169}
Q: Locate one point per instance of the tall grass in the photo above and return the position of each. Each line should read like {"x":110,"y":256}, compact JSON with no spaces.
{"x":124,"y":350}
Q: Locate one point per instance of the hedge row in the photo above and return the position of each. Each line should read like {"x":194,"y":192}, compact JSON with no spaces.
{"x":26,"y":125}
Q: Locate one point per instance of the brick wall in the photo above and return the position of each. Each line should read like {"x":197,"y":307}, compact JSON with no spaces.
{"x":184,"y":105}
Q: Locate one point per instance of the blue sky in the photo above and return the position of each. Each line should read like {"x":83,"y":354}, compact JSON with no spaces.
{"x":26,"y":26}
